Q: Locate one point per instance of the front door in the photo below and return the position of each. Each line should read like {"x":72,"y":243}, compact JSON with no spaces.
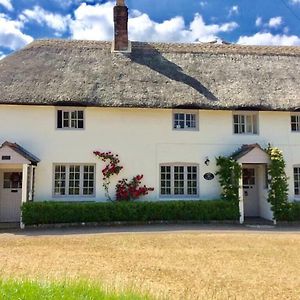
{"x":10,"y":195}
{"x":250,"y":190}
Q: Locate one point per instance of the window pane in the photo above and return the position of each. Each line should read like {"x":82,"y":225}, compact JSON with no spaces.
{"x":192,"y":180}
{"x":74,"y":180}
{"x":179,"y":121}
{"x":297,"y":180}
{"x":88,"y":181}
{"x":165,"y":180}
{"x":179,"y":180}
{"x":295,"y":123}
{"x":60,"y":180}
{"x":190,"y":120}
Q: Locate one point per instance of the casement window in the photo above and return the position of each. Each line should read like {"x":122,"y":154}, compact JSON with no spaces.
{"x":297,"y":181}
{"x":70,"y":119}
{"x":245,"y":123}
{"x":295,"y":122}
{"x":74,"y":180}
{"x":179,"y":180}
{"x":185,"y":120}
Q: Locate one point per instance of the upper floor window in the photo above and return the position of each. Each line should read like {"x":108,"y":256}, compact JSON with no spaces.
{"x":74,"y":180}
{"x":245,"y":123}
{"x":185,"y":120}
{"x":179,"y":180}
{"x":70,"y":119}
{"x":295,"y":122}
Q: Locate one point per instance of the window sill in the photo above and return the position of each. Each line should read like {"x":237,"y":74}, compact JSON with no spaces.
{"x":176,"y":198}
{"x":185,"y":129}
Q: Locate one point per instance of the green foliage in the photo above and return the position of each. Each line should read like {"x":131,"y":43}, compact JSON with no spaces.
{"x":63,"y":212}
{"x":31,"y":290}
{"x":278,"y":190}
{"x":292,"y":213}
{"x":229,"y":174}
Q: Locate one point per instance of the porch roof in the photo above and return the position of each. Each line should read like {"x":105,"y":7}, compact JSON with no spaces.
{"x":252,"y":154}
{"x":20,"y":150}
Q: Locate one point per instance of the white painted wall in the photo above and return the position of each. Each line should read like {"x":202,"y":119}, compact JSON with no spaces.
{"x":143,"y":138}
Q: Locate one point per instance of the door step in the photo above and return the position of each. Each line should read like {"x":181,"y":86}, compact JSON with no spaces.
{"x":258,"y":222}
{"x":11,"y":225}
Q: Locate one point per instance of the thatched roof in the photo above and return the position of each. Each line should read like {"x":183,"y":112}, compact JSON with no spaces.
{"x":157,"y":75}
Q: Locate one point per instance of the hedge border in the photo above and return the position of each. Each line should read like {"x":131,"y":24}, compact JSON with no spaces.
{"x":39,"y":213}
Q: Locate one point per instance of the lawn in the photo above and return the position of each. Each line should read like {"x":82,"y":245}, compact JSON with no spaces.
{"x":171,"y":265}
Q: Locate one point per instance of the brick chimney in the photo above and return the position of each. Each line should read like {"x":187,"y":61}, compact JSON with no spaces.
{"x":121,"y":42}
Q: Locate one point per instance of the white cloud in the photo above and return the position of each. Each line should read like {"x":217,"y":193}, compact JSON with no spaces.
{"x":295,"y":2}
{"x":234,"y":10}
{"x":267,"y":38}
{"x":96,"y":23}
{"x":258,"y":21}
{"x":11,"y":35}
{"x":275,"y":22}
{"x":93,"y":22}
{"x":55,"y":21}
{"x":7,"y":4}
{"x":203,"y":3}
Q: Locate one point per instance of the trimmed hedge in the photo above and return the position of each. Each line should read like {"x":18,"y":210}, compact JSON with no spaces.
{"x":292,"y":213}
{"x":34,"y":213}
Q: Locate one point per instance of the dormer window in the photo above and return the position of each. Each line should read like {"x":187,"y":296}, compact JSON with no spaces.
{"x":245,"y":123}
{"x":183,"y":120}
{"x":70,"y":119}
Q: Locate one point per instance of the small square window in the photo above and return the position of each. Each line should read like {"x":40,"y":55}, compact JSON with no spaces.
{"x":245,"y":123}
{"x":70,"y":119}
{"x":295,"y":123}
{"x":185,"y":120}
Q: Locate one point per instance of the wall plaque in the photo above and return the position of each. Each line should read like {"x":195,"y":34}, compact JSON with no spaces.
{"x":209,"y":176}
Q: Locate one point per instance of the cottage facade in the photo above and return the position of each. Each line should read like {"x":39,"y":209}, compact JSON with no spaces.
{"x":168,"y":110}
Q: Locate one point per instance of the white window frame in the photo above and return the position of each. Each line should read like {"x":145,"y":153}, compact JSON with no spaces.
{"x":246,"y":114}
{"x":69,"y":110}
{"x":185,"y":195}
{"x":297,"y":196}
{"x":185,"y":113}
{"x":67,"y":181}
{"x":297,"y":115}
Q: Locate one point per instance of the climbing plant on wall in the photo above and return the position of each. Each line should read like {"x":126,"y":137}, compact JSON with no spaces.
{"x":125,"y":190}
{"x":229,"y":174}
{"x":278,"y":190}
{"x":112,"y":167}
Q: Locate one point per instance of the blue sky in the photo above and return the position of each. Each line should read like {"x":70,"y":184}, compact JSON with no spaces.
{"x":258,"y":22}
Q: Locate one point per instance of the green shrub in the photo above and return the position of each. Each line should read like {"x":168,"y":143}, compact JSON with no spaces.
{"x":292,"y":213}
{"x":63,"y":212}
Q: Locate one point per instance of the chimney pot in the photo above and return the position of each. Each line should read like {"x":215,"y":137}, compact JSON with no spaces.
{"x":120,"y":3}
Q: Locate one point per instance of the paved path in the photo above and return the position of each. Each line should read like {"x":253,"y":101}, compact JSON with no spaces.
{"x":159,"y":229}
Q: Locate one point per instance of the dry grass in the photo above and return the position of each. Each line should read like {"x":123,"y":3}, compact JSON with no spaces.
{"x":175,"y":265}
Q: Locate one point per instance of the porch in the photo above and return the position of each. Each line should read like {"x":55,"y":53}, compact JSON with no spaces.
{"x":253,"y":192}
{"x":17,"y":176}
